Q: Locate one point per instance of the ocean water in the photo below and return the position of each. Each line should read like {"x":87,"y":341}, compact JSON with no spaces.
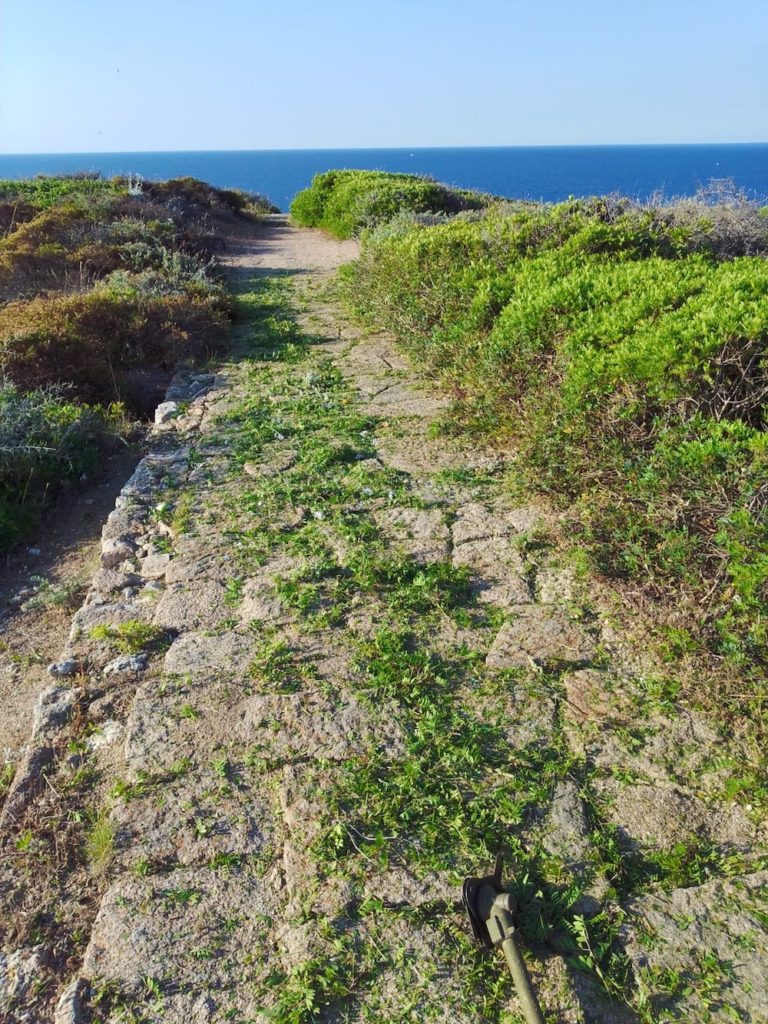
{"x":550,"y":173}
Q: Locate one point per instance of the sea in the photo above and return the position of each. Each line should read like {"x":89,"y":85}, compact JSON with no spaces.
{"x":548,"y":173}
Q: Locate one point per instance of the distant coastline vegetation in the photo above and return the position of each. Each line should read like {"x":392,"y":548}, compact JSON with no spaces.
{"x":105,"y":287}
{"x":344,"y":202}
{"x":621,"y":349}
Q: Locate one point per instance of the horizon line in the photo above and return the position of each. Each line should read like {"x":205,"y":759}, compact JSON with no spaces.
{"x":379,"y":149}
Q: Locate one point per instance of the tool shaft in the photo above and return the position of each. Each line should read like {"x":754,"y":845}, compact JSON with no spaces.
{"x":528,"y":1001}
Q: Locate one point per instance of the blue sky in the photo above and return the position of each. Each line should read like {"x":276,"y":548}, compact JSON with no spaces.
{"x":103,"y":75}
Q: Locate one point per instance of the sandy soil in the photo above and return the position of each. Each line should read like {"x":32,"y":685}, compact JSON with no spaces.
{"x":274,"y":246}
{"x":30,"y":639}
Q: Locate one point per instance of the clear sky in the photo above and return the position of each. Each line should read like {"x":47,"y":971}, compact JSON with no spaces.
{"x":122,"y":75}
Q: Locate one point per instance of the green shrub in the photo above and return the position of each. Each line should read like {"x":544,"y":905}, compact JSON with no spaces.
{"x":625,"y":350}
{"x":109,"y":285}
{"x":344,"y":202}
{"x":105,"y":288}
{"x":45,"y":440}
{"x":43,"y":192}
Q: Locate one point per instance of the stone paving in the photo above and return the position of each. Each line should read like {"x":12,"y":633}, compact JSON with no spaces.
{"x":214,"y":687}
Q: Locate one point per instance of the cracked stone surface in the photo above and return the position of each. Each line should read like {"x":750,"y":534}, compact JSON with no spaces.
{"x":183,"y":607}
{"x":663,"y":814}
{"x":716,"y":937}
{"x":540,"y":635}
{"x":421,"y":533}
{"x":212,"y":922}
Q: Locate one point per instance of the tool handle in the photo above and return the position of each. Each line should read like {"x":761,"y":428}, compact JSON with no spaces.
{"x":528,"y":1001}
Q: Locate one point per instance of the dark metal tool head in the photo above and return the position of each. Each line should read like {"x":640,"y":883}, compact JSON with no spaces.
{"x":491,"y":911}
{"x":474,"y":896}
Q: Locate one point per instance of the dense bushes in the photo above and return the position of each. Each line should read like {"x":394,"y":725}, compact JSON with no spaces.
{"x":193,"y":198}
{"x":106,"y":287}
{"x":111,"y":279}
{"x":44,"y":441}
{"x":625,"y":350}
{"x":343,"y":202}
{"x":97,"y":341}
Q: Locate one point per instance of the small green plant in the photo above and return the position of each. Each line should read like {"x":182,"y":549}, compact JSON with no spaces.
{"x":233,"y":591}
{"x":7,"y":775}
{"x":182,"y":896}
{"x":132,"y":637}
{"x":100,"y":842}
{"x":64,"y":594}
{"x":125,"y":790}
{"x":275,"y":664}
{"x":25,"y":841}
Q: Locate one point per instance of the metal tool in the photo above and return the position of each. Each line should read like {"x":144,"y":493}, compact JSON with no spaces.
{"x":491,"y":913}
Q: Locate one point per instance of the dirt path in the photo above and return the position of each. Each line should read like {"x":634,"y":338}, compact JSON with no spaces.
{"x":327,"y":670}
{"x":40,"y":585}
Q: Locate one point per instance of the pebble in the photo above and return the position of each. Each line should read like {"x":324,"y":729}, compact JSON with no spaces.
{"x":126,"y":663}
{"x":165,"y":412}
{"x":68,"y":667}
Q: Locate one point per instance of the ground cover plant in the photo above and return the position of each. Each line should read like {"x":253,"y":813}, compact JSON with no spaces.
{"x":106,"y":286}
{"x":344,"y":202}
{"x":623,"y":349}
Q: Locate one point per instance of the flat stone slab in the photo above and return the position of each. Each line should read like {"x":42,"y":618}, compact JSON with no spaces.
{"x":260,"y":602}
{"x":187,"y":718}
{"x":587,"y":697}
{"x":542,"y":635}
{"x":483,"y":542}
{"x":199,"y":936}
{"x":112,"y":614}
{"x":566,"y":832}
{"x":421,"y":533}
{"x":498,"y":570}
{"x":663,"y":814}
{"x":418,"y":455}
{"x":397,"y":398}
{"x":477,"y":522}
{"x":310,"y":725}
{"x":185,"y":606}
{"x":700,"y":954}
{"x":202,"y":655}
{"x":191,"y":819}
{"x":218,"y":566}
{"x":555,"y":586}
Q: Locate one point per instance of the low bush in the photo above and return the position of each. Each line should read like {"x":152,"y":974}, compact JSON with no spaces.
{"x":344,"y":202}
{"x":624,"y":349}
{"x":43,"y":191}
{"x":45,"y":441}
{"x":96,"y":341}
{"x":192,"y":198}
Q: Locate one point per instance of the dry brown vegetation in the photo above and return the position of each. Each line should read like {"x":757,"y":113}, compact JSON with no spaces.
{"x":106,"y":287}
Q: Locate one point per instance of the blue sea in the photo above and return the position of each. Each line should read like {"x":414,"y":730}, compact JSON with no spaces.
{"x":549,"y":173}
